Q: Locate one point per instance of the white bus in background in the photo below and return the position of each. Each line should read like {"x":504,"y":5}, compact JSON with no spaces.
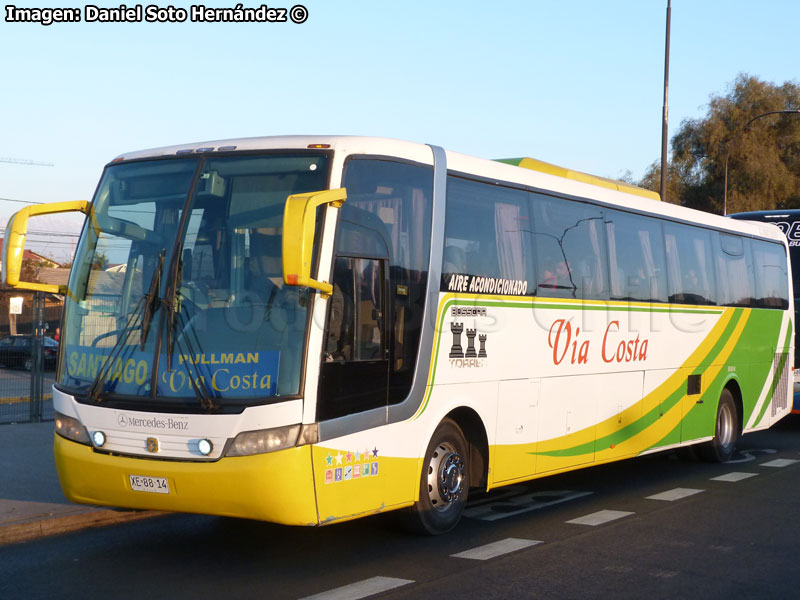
{"x":308,"y":330}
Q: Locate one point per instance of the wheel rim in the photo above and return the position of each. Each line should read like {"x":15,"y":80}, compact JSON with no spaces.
{"x":446,"y":476}
{"x":725,"y":426}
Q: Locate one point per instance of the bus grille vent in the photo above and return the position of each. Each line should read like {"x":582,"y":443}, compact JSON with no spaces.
{"x":780,"y":395}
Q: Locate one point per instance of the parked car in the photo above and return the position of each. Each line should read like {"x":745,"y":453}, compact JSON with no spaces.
{"x":15,"y":351}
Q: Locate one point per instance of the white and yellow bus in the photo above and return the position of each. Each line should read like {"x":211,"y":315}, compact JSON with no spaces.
{"x":306,"y":330}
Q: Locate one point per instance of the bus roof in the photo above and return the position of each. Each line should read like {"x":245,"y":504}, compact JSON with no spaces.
{"x":766,"y":215}
{"x":614,"y":184}
{"x":527,"y":172}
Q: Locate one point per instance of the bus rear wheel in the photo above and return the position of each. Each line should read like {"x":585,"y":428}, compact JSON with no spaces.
{"x":444,"y":482}
{"x":726,"y":431}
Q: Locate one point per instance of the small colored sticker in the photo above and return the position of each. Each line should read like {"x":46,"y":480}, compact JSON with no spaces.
{"x":365,"y":470}
{"x":348,"y":472}
{"x":328,"y":475}
{"x":337,"y":475}
{"x":373,"y":469}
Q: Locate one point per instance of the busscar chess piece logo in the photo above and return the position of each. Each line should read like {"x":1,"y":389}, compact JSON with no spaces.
{"x":472,"y":356}
{"x":456,"y":351}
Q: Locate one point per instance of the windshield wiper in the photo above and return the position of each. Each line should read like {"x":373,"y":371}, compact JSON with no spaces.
{"x":189,"y":352}
{"x":173,"y":306}
{"x":152,"y":299}
{"x":144,"y":311}
{"x":116,"y":350}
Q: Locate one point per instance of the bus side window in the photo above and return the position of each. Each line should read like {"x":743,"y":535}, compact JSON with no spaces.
{"x":570,"y":244}
{"x":737,"y":285}
{"x":636,"y":257}
{"x":339,"y":341}
{"x":771,"y":277}
{"x":689,"y":264}
{"x":356,"y":312}
{"x":486,"y":232}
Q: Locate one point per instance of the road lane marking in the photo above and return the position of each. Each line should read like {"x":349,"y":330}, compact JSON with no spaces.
{"x":361,"y":589}
{"x":515,"y":505}
{"x":497,"y":549}
{"x":676,"y":494}
{"x":747,"y":455}
{"x":779,"y":462}
{"x":600,"y":517}
{"x":663,"y":574}
{"x":734,"y":477}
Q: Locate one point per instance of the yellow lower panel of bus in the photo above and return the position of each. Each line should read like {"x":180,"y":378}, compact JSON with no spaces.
{"x":354,"y":483}
{"x":275,"y":487}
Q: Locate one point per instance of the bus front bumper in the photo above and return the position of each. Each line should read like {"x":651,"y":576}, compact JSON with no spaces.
{"x":276,"y":487}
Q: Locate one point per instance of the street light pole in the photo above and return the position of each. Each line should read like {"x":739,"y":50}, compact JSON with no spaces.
{"x":665,"y":111}
{"x":735,"y":136}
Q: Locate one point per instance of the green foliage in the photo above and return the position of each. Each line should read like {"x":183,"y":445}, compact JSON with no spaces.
{"x":764,"y":161}
{"x":100,"y":261}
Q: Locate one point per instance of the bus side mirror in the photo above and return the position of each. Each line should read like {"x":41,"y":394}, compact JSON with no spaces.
{"x":299,"y":217}
{"x":14,"y":243}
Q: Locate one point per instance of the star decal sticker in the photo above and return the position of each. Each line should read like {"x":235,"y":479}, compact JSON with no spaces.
{"x":329,"y":460}
{"x":338,"y":458}
{"x":348,"y":457}
{"x":375,"y":452}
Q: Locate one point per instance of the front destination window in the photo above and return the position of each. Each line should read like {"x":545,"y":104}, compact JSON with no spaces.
{"x":177,"y":293}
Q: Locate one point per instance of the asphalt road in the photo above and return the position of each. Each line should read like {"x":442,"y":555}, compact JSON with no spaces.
{"x":653,"y":527}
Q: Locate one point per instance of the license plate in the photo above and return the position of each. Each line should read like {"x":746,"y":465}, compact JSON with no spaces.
{"x":154,"y":485}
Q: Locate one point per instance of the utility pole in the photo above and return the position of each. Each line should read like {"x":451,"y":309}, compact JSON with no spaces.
{"x":665,"y":112}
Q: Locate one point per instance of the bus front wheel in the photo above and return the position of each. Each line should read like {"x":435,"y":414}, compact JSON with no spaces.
{"x":444,"y":482}
{"x":726,"y":431}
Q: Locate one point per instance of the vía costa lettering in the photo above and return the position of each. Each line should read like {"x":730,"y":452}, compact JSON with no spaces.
{"x":220,"y":372}
{"x":567,"y":344}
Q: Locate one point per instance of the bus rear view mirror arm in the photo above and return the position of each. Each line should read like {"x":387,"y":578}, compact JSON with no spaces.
{"x":299,"y":224}
{"x":14,"y":243}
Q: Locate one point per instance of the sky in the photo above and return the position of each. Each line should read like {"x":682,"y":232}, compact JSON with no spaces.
{"x":578,"y":83}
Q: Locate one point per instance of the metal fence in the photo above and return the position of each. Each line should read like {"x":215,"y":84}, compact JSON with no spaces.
{"x":29,"y":324}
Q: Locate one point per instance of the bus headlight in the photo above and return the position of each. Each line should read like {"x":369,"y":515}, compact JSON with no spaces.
{"x":99,"y":439}
{"x":205,"y":447}
{"x":71,"y":429}
{"x":264,"y":440}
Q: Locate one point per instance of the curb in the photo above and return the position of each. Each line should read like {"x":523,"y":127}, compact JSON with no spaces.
{"x":57,"y":524}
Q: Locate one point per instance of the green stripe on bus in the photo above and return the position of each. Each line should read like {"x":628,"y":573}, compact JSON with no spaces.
{"x":778,"y":374}
{"x":650,"y":418}
{"x":534,"y":302}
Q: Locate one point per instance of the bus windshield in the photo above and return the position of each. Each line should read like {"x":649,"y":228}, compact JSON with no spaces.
{"x":177,"y":293}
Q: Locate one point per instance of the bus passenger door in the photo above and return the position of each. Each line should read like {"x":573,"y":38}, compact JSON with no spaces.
{"x":354,"y":374}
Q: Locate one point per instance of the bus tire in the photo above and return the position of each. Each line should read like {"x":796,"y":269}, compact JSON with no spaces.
{"x":444,"y":482}
{"x":726,"y":431}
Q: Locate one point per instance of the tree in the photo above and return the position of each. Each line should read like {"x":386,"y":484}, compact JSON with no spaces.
{"x":100,"y":261}
{"x":764,"y":163}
